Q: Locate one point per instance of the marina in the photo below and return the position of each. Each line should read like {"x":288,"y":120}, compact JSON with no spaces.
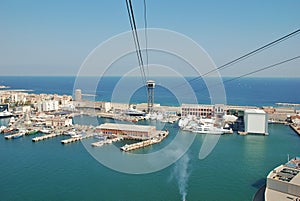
{"x":61,"y":160}
{"x":150,"y":100}
{"x":68,"y":157}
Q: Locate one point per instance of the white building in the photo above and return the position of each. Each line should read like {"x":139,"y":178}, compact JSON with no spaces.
{"x":197,"y":110}
{"x":106,"y":106}
{"x":256,"y":121}
{"x":59,"y":122}
{"x":78,"y":95}
{"x":47,"y":106}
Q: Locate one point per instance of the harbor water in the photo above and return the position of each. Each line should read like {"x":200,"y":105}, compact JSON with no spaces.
{"x":234,"y":170}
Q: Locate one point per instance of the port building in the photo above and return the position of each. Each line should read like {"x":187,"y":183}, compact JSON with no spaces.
{"x":196,"y":110}
{"x":59,"y":122}
{"x":128,"y":130}
{"x":78,"y":95}
{"x":207,"y":111}
{"x":256,"y":121}
{"x":283,"y":183}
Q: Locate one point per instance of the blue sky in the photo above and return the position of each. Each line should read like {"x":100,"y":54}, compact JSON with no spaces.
{"x":54,"y":37}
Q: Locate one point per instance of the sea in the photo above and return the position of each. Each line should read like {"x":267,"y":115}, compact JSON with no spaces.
{"x":235,"y":169}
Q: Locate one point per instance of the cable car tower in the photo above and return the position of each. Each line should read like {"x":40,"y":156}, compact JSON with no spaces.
{"x":150,"y":84}
{"x":150,"y":92}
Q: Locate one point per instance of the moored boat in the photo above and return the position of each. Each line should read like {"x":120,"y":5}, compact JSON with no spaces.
{"x":19,"y":135}
{"x":32,"y":132}
{"x":45,"y":131}
{"x":2,"y":128}
{"x":208,"y":129}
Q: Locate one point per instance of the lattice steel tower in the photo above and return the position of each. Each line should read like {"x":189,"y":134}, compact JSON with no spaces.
{"x":150,"y":90}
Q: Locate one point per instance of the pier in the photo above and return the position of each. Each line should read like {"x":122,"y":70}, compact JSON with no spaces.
{"x":75,"y":139}
{"x":107,"y":141}
{"x":44,"y":137}
{"x":160,"y":137}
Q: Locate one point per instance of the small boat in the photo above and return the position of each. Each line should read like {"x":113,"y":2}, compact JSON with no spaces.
{"x":17,"y":136}
{"x":99,"y":137}
{"x":5,"y":114}
{"x":208,"y":129}
{"x":7,"y":130}
{"x":97,"y":144}
{"x":134,"y":112}
{"x":32,"y":132}
{"x":76,"y":135}
{"x":71,"y":133}
{"x":2,"y":128}
{"x":45,"y":131}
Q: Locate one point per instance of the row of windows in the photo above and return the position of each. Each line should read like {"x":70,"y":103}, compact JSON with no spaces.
{"x":131,"y":133}
{"x":196,"y":109}
{"x":196,"y":113}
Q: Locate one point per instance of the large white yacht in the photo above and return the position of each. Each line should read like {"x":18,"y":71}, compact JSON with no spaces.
{"x":4,"y":113}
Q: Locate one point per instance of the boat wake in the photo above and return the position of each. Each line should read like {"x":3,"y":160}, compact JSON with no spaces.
{"x":181,"y":173}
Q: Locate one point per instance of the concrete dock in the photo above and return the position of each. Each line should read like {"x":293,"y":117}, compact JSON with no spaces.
{"x":162,"y":135}
{"x":44,"y":137}
{"x":75,"y":139}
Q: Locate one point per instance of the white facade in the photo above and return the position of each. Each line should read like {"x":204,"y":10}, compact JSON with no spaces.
{"x":59,"y":122}
{"x":78,"y":95}
{"x":107,"y":106}
{"x":47,"y":106}
{"x":197,"y":110}
{"x":256,"y":121}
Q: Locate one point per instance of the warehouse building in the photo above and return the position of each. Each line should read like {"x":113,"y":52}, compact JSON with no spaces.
{"x":128,"y":130}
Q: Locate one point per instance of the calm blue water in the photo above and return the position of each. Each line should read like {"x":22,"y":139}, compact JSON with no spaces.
{"x":244,"y":91}
{"x":235,"y":169}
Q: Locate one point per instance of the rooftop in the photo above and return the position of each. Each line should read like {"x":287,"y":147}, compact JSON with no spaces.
{"x":255,"y":111}
{"x":283,"y":183}
{"x":288,"y":172}
{"x":128,"y":127}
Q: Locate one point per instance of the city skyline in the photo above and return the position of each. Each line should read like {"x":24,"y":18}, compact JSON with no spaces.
{"x":53,"y":37}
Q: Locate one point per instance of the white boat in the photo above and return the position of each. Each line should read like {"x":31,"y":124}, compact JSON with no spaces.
{"x":76,"y":135}
{"x":153,"y":116}
{"x":12,"y":120}
{"x":5,"y":114}
{"x":159,"y":117}
{"x":183,"y":122}
{"x":45,"y":131}
{"x":134,"y":112}
{"x":71,"y":133}
{"x":2,"y":128}
{"x":208,"y":129}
